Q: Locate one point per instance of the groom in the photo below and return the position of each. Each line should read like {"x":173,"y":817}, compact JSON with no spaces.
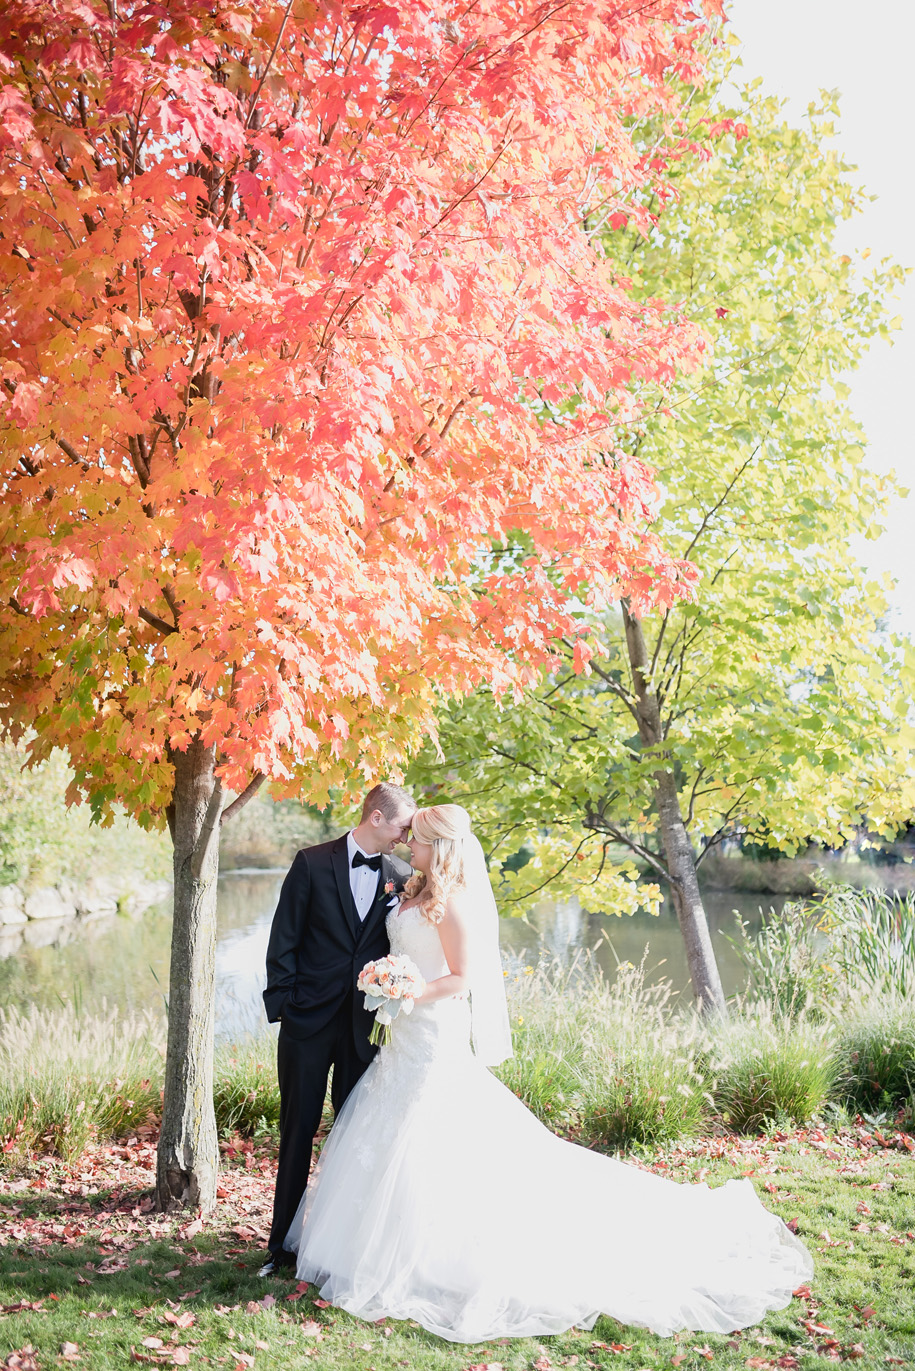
{"x":329,"y":922}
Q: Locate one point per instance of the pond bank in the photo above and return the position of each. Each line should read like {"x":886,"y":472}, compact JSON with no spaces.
{"x":51,"y":915}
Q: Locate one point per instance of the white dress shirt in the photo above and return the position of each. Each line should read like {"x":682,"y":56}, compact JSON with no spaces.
{"x":363,"y":881}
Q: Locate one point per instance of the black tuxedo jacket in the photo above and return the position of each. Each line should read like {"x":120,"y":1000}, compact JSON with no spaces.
{"x":318,"y":946}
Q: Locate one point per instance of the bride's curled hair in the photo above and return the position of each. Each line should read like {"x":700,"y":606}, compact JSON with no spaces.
{"x":447,"y":829}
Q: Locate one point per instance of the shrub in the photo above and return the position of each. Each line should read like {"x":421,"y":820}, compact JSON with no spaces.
{"x":770,"y":1067}
{"x":43,"y":842}
{"x":876,"y":1053}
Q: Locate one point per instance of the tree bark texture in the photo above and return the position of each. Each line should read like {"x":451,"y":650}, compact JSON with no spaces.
{"x":678,"y":850}
{"x":188,"y":1156}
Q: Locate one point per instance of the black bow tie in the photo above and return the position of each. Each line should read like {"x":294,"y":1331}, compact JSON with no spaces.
{"x":360,"y":859}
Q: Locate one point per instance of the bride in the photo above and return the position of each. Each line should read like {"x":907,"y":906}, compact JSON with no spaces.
{"x":439,"y":1197}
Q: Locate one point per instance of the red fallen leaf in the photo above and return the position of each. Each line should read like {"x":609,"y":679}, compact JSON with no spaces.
{"x":190,"y":1230}
{"x":321,"y":1304}
{"x":296,"y":1295}
{"x":675,"y":1361}
{"x":268,"y":1301}
{"x":894,"y":1361}
{"x":221,"y":1193}
{"x":70,"y":1351}
{"x":53,"y":1297}
{"x":792,"y":1224}
{"x":542,"y":1364}
{"x":23,"y":1360}
{"x":181,"y":1356}
{"x":153,"y":1343}
{"x":183,"y":1320}
{"x":621,"y":1346}
{"x":855,"y":1351}
{"x":312,"y":1329}
{"x":787,"y":1361}
{"x":802,"y":1292}
{"x":703,"y":1352}
{"x":863,"y":1208}
{"x":171,"y":1275}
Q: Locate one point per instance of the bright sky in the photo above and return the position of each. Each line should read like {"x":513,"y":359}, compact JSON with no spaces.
{"x":799,"y":47}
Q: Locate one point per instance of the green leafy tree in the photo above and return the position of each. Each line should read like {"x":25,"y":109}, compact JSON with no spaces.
{"x":774,"y":706}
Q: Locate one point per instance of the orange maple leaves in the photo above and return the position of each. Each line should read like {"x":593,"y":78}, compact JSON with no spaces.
{"x":302,"y":326}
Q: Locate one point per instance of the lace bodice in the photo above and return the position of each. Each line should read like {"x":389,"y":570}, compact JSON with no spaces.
{"x":410,"y":935}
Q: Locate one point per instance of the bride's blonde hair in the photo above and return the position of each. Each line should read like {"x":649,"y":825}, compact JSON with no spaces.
{"x":445,"y":827}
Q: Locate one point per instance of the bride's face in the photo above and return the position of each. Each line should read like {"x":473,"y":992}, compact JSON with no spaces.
{"x":420,"y":853}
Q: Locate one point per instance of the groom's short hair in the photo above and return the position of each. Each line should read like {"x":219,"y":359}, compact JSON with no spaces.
{"x":390,"y":799}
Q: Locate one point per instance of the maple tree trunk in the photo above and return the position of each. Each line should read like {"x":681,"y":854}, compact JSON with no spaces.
{"x":188,"y":1156}
{"x":678,"y":850}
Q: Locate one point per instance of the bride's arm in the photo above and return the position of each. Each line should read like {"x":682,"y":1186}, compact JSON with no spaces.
{"x":453,"y":932}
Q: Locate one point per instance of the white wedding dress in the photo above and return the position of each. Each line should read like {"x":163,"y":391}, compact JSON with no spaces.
{"x":439,"y":1197}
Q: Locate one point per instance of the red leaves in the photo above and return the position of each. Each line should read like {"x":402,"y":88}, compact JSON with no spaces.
{"x":22,"y":1360}
{"x":267,"y":417}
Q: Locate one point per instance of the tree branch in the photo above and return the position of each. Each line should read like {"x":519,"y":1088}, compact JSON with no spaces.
{"x":247,"y":794}
{"x":155,"y":622}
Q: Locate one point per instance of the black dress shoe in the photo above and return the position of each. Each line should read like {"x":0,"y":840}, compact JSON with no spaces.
{"x":278,"y":1266}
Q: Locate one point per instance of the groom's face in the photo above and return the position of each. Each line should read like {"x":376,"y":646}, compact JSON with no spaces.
{"x":387,"y":833}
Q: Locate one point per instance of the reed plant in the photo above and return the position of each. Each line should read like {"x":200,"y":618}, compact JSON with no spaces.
{"x":784,"y":964}
{"x":871,"y":940}
{"x":67,"y":1078}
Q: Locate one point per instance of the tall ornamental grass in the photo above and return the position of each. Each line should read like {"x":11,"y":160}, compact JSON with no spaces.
{"x":766,"y":1068}
{"x":246,"y":1094}
{"x":604,"y":1060}
{"x":876,"y":1056}
{"x":67,"y":1079}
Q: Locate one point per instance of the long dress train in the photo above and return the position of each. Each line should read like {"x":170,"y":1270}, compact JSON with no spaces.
{"x":439,"y":1197}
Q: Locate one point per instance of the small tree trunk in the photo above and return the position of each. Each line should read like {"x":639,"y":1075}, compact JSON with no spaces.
{"x":188,"y":1156}
{"x":681,"y":859}
{"x":687,"y":898}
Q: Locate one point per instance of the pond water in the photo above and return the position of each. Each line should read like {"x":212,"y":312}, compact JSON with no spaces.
{"x":124,"y":961}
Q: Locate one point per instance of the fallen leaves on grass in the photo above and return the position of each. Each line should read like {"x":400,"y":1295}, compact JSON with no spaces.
{"x":23,"y":1360}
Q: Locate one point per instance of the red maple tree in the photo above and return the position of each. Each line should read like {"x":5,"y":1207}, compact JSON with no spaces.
{"x":302,"y":324}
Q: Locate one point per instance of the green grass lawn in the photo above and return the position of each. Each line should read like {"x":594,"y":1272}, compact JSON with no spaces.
{"x":90,"y":1276}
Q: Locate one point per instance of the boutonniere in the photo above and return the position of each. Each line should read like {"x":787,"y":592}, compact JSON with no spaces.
{"x":389,"y":888}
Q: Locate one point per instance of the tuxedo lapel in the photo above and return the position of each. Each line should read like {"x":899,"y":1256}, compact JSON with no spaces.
{"x":340,"y":863}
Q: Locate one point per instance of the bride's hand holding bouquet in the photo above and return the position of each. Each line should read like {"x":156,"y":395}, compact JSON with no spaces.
{"x":391,"y":986}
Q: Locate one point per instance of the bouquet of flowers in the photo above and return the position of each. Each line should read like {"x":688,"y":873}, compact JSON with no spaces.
{"x":390,"y":985}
